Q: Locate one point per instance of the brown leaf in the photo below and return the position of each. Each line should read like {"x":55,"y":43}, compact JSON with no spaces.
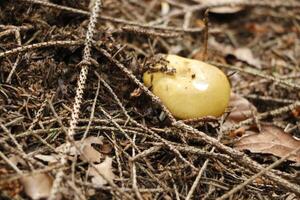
{"x":105,"y":168}
{"x":37,"y":186}
{"x":47,"y":158}
{"x":243,"y":54}
{"x":222,"y":9}
{"x":246,"y":55}
{"x":226,"y":9}
{"x":15,"y":159}
{"x":90,"y":154}
{"x":271,"y":140}
{"x":241,"y":108}
{"x":106,"y":148}
{"x":238,"y":132}
{"x":136,"y":92}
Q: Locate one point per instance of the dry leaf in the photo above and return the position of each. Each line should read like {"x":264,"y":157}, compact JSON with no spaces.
{"x":106,"y":148}
{"x":238,"y":132}
{"x":136,"y":92}
{"x":15,"y":159}
{"x":246,"y":55}
{"x":226,"y":9}
{"x":47,"y":158}
{"x":105,"y":168}
{"x":37,"y":186}
{"x":271,"y":140}
{"x":243,"y":54}
{"x":223,"y":9}
{"x":241,"y":108}
{"x":89,"y":153}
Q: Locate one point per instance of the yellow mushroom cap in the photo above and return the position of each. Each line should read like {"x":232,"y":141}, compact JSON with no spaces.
{"x":195,"y":90}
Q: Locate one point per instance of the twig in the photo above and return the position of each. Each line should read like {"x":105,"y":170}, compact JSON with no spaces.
{"x":64,"y":43}
{"x":263,"y":171}
{"x":260,"y":74}
{"x":272,"y":113}
{"x":205,"y":38}
{"x":239,"y":156}
{"x":112,"y":19}
{"x":211,"y":4}
{"x":79,"y":92}
{"x":11,"y":164}
{"x":133,"y":174}
{"x":203,"y":168}
{"x":18,"y":38}
{"x":154,"y":98}
{"x":92,"y":112}
{"x":153,"y":33}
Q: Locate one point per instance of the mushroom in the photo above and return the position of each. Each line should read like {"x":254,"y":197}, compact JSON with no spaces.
{"x":195,"y":89}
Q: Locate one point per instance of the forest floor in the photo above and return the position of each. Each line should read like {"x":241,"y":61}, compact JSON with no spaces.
{"x":76,"y":121}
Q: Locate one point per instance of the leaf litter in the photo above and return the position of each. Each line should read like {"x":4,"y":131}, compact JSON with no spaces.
{"x":240,"y":108}
{"x":272,"y":44}
{"x":37,"y":186}
{"x":271,"y":140}
{"x":242,"y":53}
{"x":105,"y":168}
{"x":88,"y":152}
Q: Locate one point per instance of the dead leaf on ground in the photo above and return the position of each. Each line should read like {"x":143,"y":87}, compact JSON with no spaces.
{"x":238,"y":132}
{"x":271,"y":140}
{"x":37,"y":186}
{"x":136,"y":92}
{"x":51,"y":159}
{"x":246,"y":55}
{"x":243,"y":54}
{"x":15,"y":159}
{"x":223,"y":9}
{"x":106,"y":148}
{"x":89,"y":153}
{"x":241,"y":108}
{"x":226,"y":9}
{"x":105,"y":168}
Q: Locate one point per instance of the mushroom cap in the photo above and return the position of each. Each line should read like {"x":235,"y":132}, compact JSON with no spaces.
{"x":195,"y":90}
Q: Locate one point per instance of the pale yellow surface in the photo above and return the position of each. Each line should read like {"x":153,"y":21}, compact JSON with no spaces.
{"x":195,"y":90}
